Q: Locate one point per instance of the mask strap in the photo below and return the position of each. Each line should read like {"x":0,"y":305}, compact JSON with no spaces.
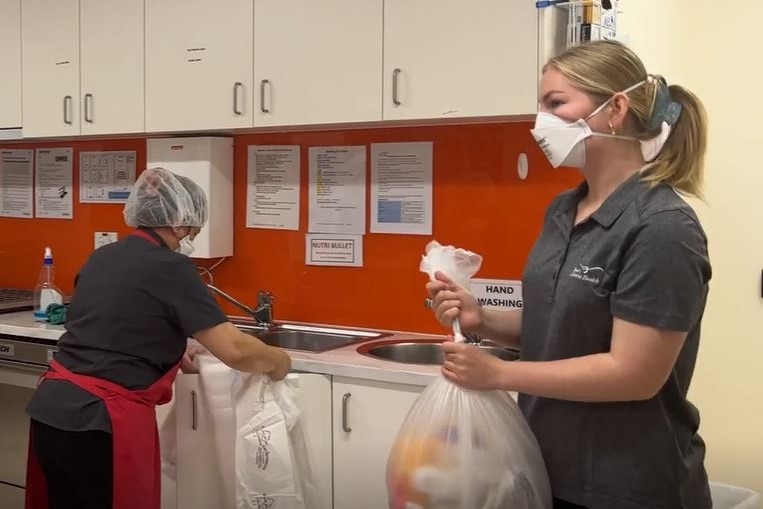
{"x":605,"y":103}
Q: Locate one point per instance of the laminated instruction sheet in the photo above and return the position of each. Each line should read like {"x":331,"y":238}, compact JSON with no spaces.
{"x":53,"y":183}
{"x":16,"y":180}
{"x":401,"y":188}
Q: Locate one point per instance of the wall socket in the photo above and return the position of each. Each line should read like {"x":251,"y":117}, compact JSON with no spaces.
{"x":104,"y":238}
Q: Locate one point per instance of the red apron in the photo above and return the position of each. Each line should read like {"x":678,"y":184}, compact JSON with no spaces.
{"x":137,"y":471}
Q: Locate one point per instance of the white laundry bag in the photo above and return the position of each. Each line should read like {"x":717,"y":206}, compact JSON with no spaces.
{"x":462,"y":449}
{"x":272,"y":462}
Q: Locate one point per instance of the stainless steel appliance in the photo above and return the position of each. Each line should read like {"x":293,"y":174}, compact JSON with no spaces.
{"x":15,"y":299}
{"x":22,"y":360}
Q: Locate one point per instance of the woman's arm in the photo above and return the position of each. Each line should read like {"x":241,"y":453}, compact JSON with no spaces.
{"x":639,"y":362}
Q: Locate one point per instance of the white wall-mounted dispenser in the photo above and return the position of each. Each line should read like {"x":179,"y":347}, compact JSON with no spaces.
{"x":208,"y":161}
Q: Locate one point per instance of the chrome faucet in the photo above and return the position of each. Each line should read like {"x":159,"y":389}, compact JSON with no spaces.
{"x":262,"y":314}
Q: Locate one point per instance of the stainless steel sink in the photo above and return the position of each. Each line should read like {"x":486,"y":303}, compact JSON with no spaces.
{"x":423,"y":352}
{"x":308,"y":338}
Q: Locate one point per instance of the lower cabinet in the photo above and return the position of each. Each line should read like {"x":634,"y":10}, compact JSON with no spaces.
{"x":367,"y":416}
{"x":349,"y":426}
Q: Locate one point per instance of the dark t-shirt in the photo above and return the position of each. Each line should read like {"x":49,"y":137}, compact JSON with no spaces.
{"x":135,"y":304}
{"x":642,"y":257}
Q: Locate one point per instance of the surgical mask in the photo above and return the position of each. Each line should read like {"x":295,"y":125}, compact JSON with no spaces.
{"x":186,"y":246}
{"x":564,"y":142}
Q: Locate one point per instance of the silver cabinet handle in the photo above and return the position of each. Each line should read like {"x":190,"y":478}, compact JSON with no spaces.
{"x":263,"y":84}
{"x":194,"y":413}
{"x":88,"y":103}
{"x":395,"y":75}
{"x":236,"y":110}
{"x":345,"y":400}
{"x":67,"y":108}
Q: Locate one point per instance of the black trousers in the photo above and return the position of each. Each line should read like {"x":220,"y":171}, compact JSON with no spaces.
{"x":77,"y":465}
{"x":561,"y":504}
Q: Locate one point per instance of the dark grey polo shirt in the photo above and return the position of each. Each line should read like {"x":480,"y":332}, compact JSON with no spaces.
{"x":135,"y":304}
{"x":641,"y":257}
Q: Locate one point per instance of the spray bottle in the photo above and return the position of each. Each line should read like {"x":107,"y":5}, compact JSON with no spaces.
{"x":46,"y":292}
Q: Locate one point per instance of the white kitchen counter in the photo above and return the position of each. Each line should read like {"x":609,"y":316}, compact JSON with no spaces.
{"x":344,"y":361}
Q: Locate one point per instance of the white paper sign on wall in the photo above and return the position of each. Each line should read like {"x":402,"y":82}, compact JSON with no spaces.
{"x":498,"y":293}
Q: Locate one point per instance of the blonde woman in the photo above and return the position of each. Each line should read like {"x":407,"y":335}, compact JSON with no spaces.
{"x":614,"y":291}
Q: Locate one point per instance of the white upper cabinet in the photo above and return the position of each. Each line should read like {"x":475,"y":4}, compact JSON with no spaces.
{"x":445,"y":58}
{"x":10,"y":63}
{"x":82,"y":67}
{"x":317,"y":62}
{"x":111,"y":48}
{"x":198,"y":64}
{"x":50,"y":62}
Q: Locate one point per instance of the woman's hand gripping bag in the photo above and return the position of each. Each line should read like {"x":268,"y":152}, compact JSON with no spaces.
{"x":462,"y":449}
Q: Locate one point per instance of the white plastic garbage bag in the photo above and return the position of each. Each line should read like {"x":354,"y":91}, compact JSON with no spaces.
{"x":733,"y":497}
{"x":168,"y":443}
{"x":272,"y":463}
{"x":456,"y":263}
{"x":461,"y":449}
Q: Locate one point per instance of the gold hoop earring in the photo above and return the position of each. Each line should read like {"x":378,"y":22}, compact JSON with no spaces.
{"x":612,"y":129}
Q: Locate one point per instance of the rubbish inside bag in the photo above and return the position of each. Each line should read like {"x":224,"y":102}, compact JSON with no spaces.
{"x":460,"y":449}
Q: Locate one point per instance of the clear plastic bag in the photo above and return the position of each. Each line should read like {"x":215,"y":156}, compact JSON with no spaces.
{"x":456,"y":263}
{"x":460,"y":449}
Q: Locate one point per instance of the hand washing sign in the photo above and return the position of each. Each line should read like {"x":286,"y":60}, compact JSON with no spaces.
{"x":498,"y":293}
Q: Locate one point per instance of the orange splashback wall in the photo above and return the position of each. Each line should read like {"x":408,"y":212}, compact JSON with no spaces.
{"x":479,"y":203}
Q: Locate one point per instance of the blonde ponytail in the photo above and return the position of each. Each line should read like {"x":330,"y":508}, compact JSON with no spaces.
{"x":681,"y":161}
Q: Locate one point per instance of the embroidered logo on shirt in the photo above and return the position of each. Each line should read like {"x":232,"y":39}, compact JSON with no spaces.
{"x":586,"y":273}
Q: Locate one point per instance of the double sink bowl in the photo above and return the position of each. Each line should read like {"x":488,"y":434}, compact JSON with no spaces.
{"x":372,"y":344}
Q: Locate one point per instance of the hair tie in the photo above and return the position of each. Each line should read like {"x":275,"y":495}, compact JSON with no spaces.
{"x":664,"y":108}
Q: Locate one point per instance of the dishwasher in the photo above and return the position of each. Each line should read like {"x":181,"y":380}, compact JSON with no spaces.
{"x":22,"y":361}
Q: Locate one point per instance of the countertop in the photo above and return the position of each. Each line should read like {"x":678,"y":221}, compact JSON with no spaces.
{"x":344,"y":361}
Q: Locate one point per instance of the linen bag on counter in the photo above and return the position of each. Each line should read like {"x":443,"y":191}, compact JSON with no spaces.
{"x":463,"y":449}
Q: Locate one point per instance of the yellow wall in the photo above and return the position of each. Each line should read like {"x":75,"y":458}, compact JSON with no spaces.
{"x":713,"y":49}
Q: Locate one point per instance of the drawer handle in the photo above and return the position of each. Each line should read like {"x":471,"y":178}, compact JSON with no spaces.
{"x":88,"y":108}
{"x":236,"y":86}
{"x":194,"y":413}
{"x":67,"y":108}
{"x":263,"y":84}
{"x":395,"y":75}
{"x":345,"y":400}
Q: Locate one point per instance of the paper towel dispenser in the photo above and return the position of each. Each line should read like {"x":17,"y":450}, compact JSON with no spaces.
{"x":208,"y":161}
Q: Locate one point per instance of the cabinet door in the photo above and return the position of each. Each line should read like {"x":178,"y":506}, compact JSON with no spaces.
{"x":314,"y":400}
{"x":11,"y":497}
{"x":111,"y":41}
{"x":205,"y":454}
{"x":455,"y":58}
{"x":10,"y":63}
{"x":50,"y":63}
{"x":317,"y":62}
{"x":198,"y":64}
{"x":367,"y":416}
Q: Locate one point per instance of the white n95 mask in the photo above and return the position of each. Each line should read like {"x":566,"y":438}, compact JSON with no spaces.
{"x":564,"y":142}
{"x":561,"y":141}
{"x":186,"y":246}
